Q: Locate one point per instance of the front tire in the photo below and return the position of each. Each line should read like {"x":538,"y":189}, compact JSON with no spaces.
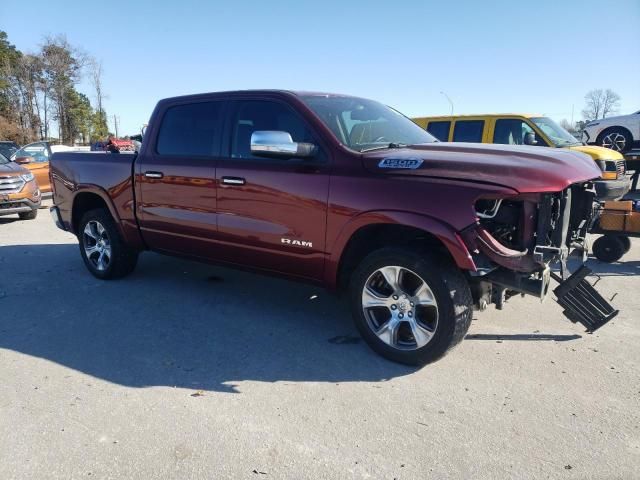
{"x":103,"y":250}
{"x":616,"y":138}
{"x":409,"y":307}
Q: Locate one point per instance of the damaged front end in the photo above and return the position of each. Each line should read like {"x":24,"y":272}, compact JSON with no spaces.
{"x":517,"y":240}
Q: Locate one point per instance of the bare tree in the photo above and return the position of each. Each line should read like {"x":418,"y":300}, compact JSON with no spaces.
{"x":611,"y":102}
{"x":29,"y":82}
{"x":600,"y":103}
{"x":95,"y":68}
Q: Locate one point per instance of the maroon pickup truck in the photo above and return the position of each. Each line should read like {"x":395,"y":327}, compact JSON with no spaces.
{"x":346,"y":193}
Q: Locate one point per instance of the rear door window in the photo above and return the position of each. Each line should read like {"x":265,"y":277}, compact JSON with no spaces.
{"x":440,"y":130}
{"x":468,"y":131}
{"x":190,"y":130}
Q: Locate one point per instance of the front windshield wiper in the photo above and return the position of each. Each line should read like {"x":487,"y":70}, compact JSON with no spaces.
{"x":385,"y":147}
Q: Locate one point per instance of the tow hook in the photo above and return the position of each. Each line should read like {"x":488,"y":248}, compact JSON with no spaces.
{"x":581,"y":302}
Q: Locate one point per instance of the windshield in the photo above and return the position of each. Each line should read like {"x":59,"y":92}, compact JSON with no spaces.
{"x":3,"y":159}
{"x":366,"y":125}
{"x":558,"y":135}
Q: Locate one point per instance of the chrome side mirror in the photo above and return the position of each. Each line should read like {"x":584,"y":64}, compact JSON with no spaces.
{"x":273,"y":143}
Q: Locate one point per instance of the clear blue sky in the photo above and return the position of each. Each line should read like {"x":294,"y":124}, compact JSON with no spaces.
{"x":497,"y":56}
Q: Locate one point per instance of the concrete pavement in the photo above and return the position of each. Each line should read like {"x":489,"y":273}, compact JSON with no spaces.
{"x":193,"y":371}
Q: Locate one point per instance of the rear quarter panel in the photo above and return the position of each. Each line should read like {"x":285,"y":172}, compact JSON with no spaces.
{"x":107,"y":175}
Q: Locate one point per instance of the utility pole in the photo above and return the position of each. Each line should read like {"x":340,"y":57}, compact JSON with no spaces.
{"x":449,"y":100}
{"x":115,"y":123}
{"x":572,"y":107}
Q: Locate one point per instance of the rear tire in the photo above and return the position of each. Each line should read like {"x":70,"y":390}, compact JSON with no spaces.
{"x":616,"y":138}
{"x":423,"y":323}
{"x":609,"y":248}
{"x":28,"y":215}
{"x":102,"y":248}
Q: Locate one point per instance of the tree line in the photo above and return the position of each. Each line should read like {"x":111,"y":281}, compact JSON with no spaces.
{"x":39,"y":99}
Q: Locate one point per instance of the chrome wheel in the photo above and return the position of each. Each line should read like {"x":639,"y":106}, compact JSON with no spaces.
{"x":97,"y":245}
{"x":400,"y":308}
{"x":615,"y":141}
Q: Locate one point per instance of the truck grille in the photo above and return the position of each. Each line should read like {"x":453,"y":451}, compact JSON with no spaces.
{"x":621,"y":167}
{"x":11,"y":184}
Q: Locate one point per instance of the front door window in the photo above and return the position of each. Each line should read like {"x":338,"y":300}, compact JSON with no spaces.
{"x":512,"y":131}
{"x":38,"y":151}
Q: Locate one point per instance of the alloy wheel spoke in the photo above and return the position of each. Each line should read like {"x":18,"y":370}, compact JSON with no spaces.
{"x":424,"y":295}
{"x":100,"y":261}
{"x":88,"y":231}
{"x":91,"y":250}
{"x":372,"y":299}
{"x":392,"y":277}
{"x":388,"y":333}
{"x":420,"y":334}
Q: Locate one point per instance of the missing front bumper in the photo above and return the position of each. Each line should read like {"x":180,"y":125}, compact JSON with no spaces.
{"x":581,"y":302}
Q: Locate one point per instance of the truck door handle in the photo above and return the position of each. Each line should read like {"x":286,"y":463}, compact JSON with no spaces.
{"x":233,"y":181}
{"x":153,"y":174}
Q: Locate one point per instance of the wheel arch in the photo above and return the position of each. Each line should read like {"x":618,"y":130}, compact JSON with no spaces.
{"x":89,"y":197}
{"x":607,"y":130}
{"x":374,"y":230}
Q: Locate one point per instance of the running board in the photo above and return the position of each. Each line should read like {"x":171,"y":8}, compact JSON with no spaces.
{"x":581,"y":302}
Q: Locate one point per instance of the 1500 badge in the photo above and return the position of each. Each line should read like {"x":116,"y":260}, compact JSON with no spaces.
{"x":408,"y":163}
{"x":297,"y":243}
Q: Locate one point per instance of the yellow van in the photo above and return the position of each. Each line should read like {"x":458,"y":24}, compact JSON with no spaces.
{"x":525,"y":129}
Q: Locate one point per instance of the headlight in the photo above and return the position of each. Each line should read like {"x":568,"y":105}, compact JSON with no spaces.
{"x":27,"y":177}
{"x":609,"y":169}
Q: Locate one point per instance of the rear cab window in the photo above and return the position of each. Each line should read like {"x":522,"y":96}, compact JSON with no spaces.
{"x":440,"y":130}
{"x":191,"y":129}
{"x":468,"y":131}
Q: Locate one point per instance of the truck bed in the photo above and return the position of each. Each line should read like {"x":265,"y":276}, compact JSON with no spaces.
{"x":107,"y":175}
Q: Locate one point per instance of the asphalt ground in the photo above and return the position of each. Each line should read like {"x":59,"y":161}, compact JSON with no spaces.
{"x":185,"y":370}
